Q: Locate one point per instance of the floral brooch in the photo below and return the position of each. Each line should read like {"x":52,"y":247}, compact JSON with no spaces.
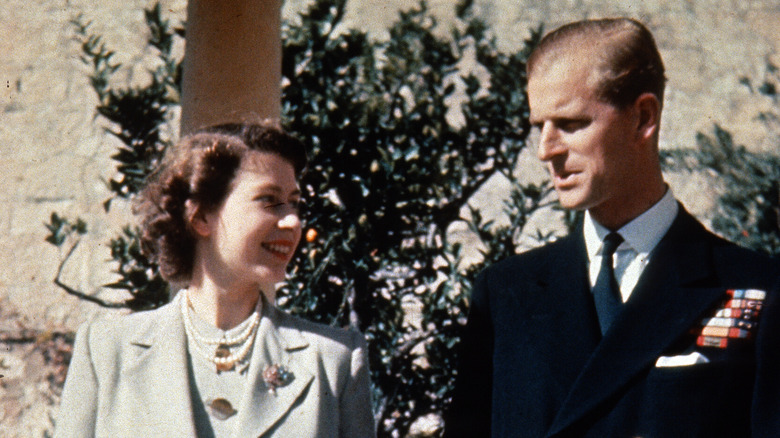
{"x":276,"y":376}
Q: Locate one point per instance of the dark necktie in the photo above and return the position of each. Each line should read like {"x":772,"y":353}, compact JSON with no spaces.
{"x":606,"y":292}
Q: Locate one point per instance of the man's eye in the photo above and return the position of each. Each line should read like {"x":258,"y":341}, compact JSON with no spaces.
{"x":571,"y":125}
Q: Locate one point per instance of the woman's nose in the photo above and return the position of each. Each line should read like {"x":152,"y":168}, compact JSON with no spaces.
{"x":290,"y":220}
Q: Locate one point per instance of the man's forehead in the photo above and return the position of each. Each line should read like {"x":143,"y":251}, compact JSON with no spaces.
{"x":571,"y":61}
{"x":562,"y":85}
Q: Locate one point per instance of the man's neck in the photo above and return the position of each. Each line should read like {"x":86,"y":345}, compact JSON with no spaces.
{"x":618,"y":212}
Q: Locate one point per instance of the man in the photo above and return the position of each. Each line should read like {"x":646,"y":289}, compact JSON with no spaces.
{"x":675,"y":334}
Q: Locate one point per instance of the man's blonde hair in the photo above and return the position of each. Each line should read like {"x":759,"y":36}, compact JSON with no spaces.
{"x":622,"y":51}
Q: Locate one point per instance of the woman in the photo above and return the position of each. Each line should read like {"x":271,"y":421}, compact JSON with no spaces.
{"x":221,"y":216}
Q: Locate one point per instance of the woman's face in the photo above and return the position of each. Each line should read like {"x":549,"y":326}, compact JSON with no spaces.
{"x":251,"y":237}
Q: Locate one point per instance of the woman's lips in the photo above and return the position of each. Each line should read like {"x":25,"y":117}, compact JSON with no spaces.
{"x":279,"y":248}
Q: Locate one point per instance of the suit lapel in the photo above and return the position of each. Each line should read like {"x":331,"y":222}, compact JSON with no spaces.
{"x":157,"y":375}
{"x":665,"y":303}
{"x":277,"y":344}
{"x":556,"y":311}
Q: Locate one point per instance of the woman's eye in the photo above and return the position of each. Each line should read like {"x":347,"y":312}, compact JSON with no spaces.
{"x":296,"y":204}
{"x":269,"y":201}
{"x":273,"y":202}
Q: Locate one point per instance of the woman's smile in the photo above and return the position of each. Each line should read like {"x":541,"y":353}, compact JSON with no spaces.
{"x":282,"y":249}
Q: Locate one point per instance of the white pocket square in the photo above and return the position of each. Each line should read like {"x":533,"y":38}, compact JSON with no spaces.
{"x":681,"y":360}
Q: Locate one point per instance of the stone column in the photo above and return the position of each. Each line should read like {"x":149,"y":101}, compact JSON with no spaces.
{"x":232,"y":62}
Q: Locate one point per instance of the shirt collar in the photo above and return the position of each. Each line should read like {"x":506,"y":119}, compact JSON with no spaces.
{"x":642,"y":234}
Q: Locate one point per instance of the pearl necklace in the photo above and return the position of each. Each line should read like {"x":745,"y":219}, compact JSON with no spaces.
{"x":223,"y":358}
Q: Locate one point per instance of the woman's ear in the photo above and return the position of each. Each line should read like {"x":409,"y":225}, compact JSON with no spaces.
{"x":198,"y":221}
{"x":649,"y":115}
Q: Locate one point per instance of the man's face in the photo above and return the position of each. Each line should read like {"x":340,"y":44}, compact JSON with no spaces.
{"x":586,"y":143}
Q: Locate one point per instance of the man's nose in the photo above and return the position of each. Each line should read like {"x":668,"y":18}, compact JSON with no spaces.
{"x":549,"y":143}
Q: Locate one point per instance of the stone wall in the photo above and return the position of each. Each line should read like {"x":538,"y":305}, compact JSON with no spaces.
{"x":55,"y":155}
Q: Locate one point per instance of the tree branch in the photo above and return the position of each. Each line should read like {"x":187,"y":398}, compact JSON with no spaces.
{"x":77,"y":293}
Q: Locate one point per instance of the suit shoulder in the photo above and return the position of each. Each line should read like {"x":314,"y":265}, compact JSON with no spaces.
{"x":734,"y":264}
{"x":327,"y":337}
{"x":533,"y":261}
{"x":112,"y":330}
{"x":743,"y":255}
{"x":739,"y":264}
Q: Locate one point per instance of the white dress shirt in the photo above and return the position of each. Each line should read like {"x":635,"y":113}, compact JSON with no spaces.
{"x":640,"y":237}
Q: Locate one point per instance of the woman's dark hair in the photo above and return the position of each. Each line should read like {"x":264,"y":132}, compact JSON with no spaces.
{"x":196,"y":176}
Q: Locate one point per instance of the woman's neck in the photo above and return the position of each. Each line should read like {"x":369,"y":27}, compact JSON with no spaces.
{"x":222,"y":307}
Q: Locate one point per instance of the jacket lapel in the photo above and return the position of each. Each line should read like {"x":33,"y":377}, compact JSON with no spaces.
{"x":555,"y":307}
{"x":278,"y":344}
{"x":157,"y":376}
{"x":665,"y":303}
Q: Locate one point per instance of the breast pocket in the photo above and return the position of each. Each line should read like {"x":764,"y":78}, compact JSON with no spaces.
{"x":708,"y":398}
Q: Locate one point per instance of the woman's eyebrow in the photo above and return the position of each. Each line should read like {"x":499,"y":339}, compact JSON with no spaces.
{"x":274,"y":188}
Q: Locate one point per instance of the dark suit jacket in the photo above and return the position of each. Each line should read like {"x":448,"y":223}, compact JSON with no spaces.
{"x":534,"y":364}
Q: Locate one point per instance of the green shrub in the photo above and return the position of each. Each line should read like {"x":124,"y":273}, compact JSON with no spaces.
{"x":747,"y":183}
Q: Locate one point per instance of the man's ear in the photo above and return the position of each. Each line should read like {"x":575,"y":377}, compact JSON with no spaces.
{"x":198,"y":220}
{"x":648,"y":110}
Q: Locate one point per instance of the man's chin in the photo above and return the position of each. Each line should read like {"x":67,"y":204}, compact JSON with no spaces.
{"x":571,"y":201}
